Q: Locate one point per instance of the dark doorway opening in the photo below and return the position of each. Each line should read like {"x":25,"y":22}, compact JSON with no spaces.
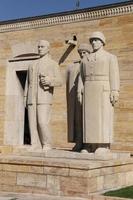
{"x":22,"y":79}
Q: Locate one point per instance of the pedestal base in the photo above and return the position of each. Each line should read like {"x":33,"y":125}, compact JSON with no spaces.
{"x":75,"y":175}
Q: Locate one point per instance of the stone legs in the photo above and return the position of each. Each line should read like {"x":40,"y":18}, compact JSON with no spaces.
{"x":35,"y":141}
{"x":39,"y":117}
{"x":43,"y":119}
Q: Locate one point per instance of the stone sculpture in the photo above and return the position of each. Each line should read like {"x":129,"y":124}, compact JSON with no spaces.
{"x":43,"y":76}
{"x":100,"y":76}
{"x":74,"y":89}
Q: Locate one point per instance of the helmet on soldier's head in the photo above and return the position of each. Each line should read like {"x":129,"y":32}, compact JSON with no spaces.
{"x":98,"y":35}
{"x":84,"y":47}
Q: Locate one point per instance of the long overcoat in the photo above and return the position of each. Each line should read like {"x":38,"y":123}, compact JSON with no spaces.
{"x":100,"y":75}
{"x":74,"y":106}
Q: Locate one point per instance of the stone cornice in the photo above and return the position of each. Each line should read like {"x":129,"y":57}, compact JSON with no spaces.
{"x":67,"y":17}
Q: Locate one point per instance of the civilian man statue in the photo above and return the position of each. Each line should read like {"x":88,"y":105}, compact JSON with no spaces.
{"x":101,"y":91}
{"x":43,"y":76}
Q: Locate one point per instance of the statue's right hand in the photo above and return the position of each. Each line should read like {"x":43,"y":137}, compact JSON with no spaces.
{"x":45,"y":81}
{"x":42,"y":80}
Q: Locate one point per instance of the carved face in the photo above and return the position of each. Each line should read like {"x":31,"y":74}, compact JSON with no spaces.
{"x":96,"y":44}
{"x":82,"y":53}
{"x":43,"y":48}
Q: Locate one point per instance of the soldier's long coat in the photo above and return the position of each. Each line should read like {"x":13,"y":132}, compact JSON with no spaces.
{"x":74,"y":107}
{"x":100,"y":75}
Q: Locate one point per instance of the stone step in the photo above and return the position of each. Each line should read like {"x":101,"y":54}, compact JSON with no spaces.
{"x":15,"y":196}
{"x":100,"y":154}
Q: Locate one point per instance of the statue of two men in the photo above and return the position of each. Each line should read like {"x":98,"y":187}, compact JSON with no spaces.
{"x":99,"y":74}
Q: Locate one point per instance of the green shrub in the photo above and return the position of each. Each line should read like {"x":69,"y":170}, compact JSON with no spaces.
{"x":123,"y":192}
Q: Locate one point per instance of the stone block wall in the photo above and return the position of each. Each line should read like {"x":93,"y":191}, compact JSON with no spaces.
{"x":63,"y":177}
{"x":118,"y":30}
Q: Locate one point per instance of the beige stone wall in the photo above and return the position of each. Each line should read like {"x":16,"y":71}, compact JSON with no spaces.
{"x":119,"y":33}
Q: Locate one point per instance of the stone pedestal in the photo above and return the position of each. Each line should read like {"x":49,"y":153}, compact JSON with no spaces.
{"x":77,"y":175}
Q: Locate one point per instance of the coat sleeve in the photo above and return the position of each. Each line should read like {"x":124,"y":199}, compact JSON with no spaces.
{"x":114,"y":74}
{"x":67,"y":78}
{"x":80,"y":79}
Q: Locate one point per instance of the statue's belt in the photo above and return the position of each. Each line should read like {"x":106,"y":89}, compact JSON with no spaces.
{"x":92,"y":77}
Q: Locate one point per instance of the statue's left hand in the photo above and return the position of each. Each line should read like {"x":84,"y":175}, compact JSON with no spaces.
{"x":114,"y":96}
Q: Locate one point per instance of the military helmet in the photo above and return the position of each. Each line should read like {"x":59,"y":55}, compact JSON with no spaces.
{"x":84,"y":47}
{"x":98,"y":35}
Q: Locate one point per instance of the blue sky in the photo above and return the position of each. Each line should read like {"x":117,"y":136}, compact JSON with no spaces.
{"x":14,"y":9}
